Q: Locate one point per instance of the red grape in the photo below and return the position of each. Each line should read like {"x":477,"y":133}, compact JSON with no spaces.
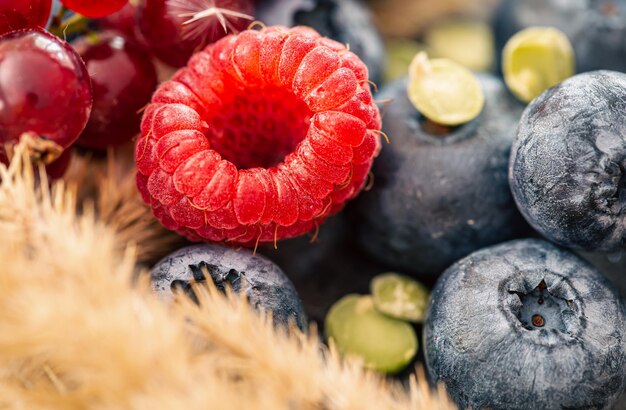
{"x":44,"y":88}
{"x":175,"y":29}
{"x":123,"y":79}
{"x":21,"y":14}
{"x":123,"y":21}
{"x":94,"y":8}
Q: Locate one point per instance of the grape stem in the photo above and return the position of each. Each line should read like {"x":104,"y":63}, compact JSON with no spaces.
{"x":61,"y":27}
{"x":39,"y":149}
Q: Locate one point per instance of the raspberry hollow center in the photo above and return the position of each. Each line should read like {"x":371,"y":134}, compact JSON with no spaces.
{"x":258,"y":128}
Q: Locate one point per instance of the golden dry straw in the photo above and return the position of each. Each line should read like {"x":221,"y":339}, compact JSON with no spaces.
{"x":77,"y":331}
{"x":108,"y":186}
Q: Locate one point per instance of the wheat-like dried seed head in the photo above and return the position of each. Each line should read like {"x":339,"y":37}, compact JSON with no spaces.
{"x":76,"y":331}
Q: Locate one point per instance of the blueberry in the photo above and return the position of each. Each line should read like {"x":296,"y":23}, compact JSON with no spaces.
{"x":347,"y":21}
{"x":440,"y":193}
{"x":524,"y":325}
{"x":596,"y":28}
{"x":264,"y":283}
{"x":567,"y":162}
{"x":327,"y":269}
{"x":612,"y":266}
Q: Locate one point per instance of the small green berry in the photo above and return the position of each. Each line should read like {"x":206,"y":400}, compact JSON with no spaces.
{"x":445,"y":92}
{"x":355,"y":326}
{"x":400,"y":297}
{"x":536,"y":59}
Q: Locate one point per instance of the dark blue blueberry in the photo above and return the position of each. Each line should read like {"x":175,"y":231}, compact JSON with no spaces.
{"x":347,"y":21}
{"x":596,"y":28}
{"x":567,"y":162}
{"x":612,"y":266}
{"x":526,"y":325}
{"x":328,"y":269}
{"x":264,"y":283}
{"x":440,"y":193}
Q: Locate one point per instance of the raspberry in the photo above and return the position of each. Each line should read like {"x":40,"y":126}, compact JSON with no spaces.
{"x":261,"y":137}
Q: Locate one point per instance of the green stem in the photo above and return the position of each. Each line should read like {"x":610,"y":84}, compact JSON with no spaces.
{"x":62,"y":27}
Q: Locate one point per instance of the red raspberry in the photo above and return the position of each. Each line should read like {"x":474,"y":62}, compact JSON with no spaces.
{"x":261,"y":137}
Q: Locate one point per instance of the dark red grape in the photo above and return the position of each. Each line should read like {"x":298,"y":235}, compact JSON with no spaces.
{"x":94,"y":8}
{"x":123,"y":79}
{"x":21,"y":14}
{"x":175,"y":29}
{"x":44,"y":88}
{"x":123,"y":21}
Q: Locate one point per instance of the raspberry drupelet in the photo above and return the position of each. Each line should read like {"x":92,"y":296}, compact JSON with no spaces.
{"x":261,"y":137}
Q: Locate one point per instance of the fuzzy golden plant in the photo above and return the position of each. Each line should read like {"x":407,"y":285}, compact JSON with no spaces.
{"x":77,"y":331}
{"x":108,"y":185}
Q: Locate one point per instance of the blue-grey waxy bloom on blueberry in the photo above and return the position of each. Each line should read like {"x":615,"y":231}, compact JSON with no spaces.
{"x":440,"y":193}
{"x":596,"y":28}
{"x":567,"y":169}
{"x":262,"y":281}
{"x":526,"y":325}
{"x":347,"y":21}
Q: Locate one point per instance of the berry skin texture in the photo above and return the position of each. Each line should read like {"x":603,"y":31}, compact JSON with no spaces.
{"x":44,"y":88}
{"x":568,"y":162}
{"x":612,"y":266}
{"x":526,"y":325}
{"x":440,"y":193}
{"x":94,"y":8}
{"x":123,"y":79}
{"x":260,"y":138}
{"x":23,"y":14}
{"x":264,"y":283}
{"x":123,"y":21}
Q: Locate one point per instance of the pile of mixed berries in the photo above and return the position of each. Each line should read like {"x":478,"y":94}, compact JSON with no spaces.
{"x":256,"y":123}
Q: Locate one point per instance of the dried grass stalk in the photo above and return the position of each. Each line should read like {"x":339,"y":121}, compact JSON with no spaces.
{"x":109,"y":186}
{"x":76,"y":332}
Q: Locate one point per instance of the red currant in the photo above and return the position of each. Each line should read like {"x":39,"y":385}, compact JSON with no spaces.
{"x":20,"y":14}
{"x":94,"y":8}
{"x":123,"y":79}
{"x":175,"y":29}
{"x":44,"y":88}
